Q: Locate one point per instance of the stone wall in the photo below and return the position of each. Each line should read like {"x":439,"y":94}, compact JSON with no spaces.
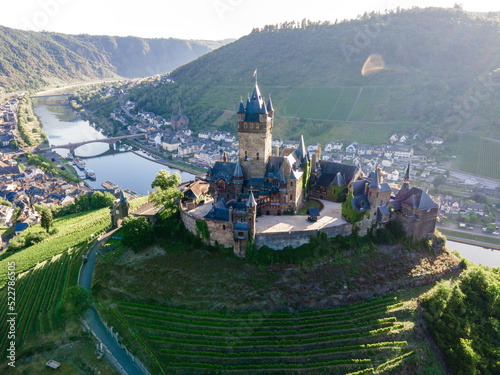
{"x":416,"y":223}
{"x":278,"y":241}
{"x":220,"y":231}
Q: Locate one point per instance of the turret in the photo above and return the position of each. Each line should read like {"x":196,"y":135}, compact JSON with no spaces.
{"x":238,"y":178}
{"x":251,"y":213}
{"x":407,"y":174}
{"x":270,"y":108}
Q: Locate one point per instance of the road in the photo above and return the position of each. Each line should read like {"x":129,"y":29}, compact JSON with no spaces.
{"x":96,"y":323}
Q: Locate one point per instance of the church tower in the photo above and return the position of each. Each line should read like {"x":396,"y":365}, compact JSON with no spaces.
{"x":255,"y":126}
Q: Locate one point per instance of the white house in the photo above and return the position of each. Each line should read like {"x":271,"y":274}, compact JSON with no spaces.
{"x":351,"y":149}
{"x":435,"y":141}
{"x":204,"y":134}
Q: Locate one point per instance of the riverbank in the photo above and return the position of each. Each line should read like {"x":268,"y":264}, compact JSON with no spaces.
{"x":181,"y":166}
{"x":471,"y":239}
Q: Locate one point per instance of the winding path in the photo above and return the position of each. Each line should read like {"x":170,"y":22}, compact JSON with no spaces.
{"x":95,"y":322}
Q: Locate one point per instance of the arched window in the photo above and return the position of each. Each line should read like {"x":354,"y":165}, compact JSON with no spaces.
{"x":291,"y":183}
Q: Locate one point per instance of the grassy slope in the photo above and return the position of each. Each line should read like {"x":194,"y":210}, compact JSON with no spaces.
{"x":200,"y":281}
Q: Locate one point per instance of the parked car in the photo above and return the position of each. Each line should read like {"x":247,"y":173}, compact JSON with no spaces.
{"x":470,"y":228}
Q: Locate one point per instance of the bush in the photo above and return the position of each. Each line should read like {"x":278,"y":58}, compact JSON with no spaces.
{"x":136,"y":232}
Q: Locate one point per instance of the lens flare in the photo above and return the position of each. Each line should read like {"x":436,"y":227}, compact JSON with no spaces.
{"x":373,"y":64}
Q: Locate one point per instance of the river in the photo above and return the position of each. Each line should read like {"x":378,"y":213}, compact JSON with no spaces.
{"x":125,"y":169}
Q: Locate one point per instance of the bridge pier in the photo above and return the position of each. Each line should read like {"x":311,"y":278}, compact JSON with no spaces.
{"x":112,"y":146}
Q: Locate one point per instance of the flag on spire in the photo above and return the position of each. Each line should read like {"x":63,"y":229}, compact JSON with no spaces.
{"x":255,"y":73}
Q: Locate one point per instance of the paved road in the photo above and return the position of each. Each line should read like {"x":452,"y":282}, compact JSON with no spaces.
{"x":96,"y":323}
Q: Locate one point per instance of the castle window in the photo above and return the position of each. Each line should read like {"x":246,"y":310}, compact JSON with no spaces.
{"x":246,"y":156}
{"x":377,"y":195}
{"x":257,"y":156}
{"x":291,"y":183}
{"x":257,"y":126}
{"x":223,"y":227}
{"x":291,"y":197}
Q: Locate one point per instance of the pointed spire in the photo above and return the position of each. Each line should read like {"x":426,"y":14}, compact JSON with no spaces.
{"x":238,"y":171}
{"x":283,"y":179}
{"x":407,"y":174}
{"x":241,"y":109}
{"x":270,"y":104}
{"x":251,"y":201}
{"x":302,"y":151}
{"x":375,"y":182}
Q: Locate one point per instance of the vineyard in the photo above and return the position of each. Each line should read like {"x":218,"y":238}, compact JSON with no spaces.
{"x":37,"y":293}
{"x":358,"y":339}
{"x":478,"y":155}
{"x":71,"y":231}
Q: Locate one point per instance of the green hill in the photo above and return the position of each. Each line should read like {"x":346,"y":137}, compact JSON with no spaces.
{"x":440,"y":75}
{"x":31,"y":60}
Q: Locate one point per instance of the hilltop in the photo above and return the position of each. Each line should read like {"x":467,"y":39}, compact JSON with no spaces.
{"x":31,"y":60}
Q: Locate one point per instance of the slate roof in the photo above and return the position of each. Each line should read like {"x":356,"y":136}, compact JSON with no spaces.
{"x":361,"y":203}
{"x":384,"y":187}
{"x":313,"y":211}
{"x":255,"y":106}
{"x":359,"y":187}
{"x":240,"y":225}
{"x":375,"y":181}
{"x":339,"y":180}
{"x":381,"y":211}
{"x":20,"y":227}
{"x":221,"y":169}
{"x":347,"y":171}
{"x":219,"y":211}
{"x":414,"y":198}
{"x":238,"y":172}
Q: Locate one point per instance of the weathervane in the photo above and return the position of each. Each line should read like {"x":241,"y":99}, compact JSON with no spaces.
{"x":255,"y":75}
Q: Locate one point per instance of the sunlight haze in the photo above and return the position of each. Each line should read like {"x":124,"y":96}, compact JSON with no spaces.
{"x":196,"y":19}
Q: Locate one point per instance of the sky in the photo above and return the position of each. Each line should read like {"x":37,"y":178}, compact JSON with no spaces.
{"x":193,"y":19}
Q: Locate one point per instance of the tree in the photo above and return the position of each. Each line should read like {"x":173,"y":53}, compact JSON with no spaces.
{"x":136,"y":232}
{"x":84,"y":202}
{"x":46,"y":219}
{"x":165,"y":192}
{"x":100,"y":200}
{"x":77,"y":300}
{"x":438,"y":180}
{"x":14,"y":144}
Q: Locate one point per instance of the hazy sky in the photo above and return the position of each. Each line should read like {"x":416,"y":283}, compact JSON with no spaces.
{"x":193,"y":19}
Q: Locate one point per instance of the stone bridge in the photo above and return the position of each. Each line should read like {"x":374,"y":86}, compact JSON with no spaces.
{"x":73,"y":146}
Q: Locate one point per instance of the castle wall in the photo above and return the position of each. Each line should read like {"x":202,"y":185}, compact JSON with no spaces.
{"x":278,"y":241}
{"x":416,"y":223}
{"x":220,"y":231}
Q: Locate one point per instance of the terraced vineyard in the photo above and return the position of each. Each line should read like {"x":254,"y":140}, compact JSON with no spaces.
{"x":358,"y":339}
{"x":37,"y":294}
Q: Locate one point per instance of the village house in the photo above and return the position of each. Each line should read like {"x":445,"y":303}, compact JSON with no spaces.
{"x":435,"y":141}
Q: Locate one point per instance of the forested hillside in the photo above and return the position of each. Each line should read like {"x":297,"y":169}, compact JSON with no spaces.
{"x":439,"y":73}
{"x":31,"y":60}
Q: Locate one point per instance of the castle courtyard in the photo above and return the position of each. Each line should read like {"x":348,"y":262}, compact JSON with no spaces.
{"x":330,"y":216}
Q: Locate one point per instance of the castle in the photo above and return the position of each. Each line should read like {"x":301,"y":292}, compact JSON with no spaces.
{"x":260,"y":184}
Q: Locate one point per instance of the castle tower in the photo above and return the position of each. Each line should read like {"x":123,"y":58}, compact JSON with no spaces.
{"x":238,"y":179}
{"x":255,"y":125}
{"x":406,"y":182}
{"x":119,"y":210}
{"x":251,"y":213}
{"x":373,"y":191}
